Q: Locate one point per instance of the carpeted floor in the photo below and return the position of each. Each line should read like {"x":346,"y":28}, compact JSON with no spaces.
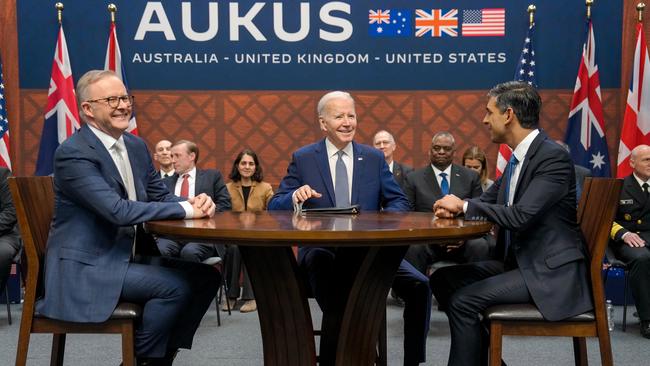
{"x":238,"y":343}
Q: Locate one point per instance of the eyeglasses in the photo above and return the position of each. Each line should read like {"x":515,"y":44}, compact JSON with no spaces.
{"x":442,"y":148}
{"x":114,"y":101}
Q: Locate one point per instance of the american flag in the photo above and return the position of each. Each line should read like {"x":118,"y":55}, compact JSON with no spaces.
{"x":390,"y":22}
{"x":437,"y":23}
{"x":636,"y":121}
{"x":524,"y":71}
{"x":5,"y":161}
{"x":114,"y":63}
{"x":61,"y":113}
{"x":585,"y":133}
{"x":484,"y":23}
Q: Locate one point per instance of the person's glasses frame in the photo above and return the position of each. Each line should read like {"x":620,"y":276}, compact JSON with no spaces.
{"x":114,"y":101}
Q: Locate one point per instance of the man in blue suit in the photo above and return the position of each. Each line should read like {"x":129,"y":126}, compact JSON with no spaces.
{"x":315,"y":176}
{"x":105,"y":187}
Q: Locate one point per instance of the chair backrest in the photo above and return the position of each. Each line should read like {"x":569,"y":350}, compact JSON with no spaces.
{"x":596,"y":213}
{"x":34,"y":201}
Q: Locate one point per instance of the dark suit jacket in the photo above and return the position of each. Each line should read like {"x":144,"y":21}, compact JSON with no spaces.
{"x":400,"y":171}
{"x":422,"y":188}
{"x":9,"y":234}
{"x":546,"y":239}
{"x":208,"y":181}
{"x":92,"y":232}
{"x":373,"y":185}
{"x":633,"y":212}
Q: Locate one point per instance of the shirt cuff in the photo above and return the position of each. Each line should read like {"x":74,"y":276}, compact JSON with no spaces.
{"x":189,"y":210}
{"x":465,"y":206}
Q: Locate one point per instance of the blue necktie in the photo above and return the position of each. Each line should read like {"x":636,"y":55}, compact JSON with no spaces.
{"x":512,"y":165}
{"x":444,"y":184}
{"x":341,"y":185}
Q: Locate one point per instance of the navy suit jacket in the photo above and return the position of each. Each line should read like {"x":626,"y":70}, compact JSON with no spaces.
{"x":373,"y":185}
{"x":92,"y":232}
{"x":208,"y":181}
{"x":423,"y":190}
{"x":545,"y":236}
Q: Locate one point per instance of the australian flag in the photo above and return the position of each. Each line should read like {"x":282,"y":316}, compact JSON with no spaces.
{"x":390,"y":22}
{"x":585,"y":133}
{"x":61,"y":113}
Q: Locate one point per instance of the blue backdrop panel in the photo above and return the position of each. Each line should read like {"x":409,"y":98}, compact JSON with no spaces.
{"x":318,"y":44}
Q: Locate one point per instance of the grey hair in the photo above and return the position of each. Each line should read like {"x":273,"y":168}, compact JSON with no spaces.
{"x":390,"y":135}
{"x":444,"y":134}
{"x":84,"y":84}
{"x":330,"y":96}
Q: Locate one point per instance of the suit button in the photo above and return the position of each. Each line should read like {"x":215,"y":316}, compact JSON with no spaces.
{"x":639,"y":222}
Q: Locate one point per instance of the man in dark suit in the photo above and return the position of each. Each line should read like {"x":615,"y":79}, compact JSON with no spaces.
{"x":187,"y":182}
{"x":106,"y":186}
{"x":631,"y":232}
{"x":427,"y":185}
{"x":385,"y":142}
{"x":163,"y":156}
{"x":9,"y":235}
{"x":533,"y":204}
{"x":359,"y":174}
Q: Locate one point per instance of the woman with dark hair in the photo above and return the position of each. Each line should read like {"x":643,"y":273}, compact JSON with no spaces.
{"x":474,"y":158}
{"x":248,"y":192}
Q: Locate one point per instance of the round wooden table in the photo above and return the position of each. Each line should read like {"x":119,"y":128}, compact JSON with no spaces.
{"x":370,"y":247}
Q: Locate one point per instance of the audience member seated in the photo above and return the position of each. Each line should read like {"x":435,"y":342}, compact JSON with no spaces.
{"x":248,"y":192}
{"x":328,"y":166}
{"x":427,"y":185}
{"x":9,"y":234}
{"x":543,"y":257}
{"x":187,"y":182}
{"x":631,"y":232}
{"x":474,"y":158}
{"x":385,"y":142}
{"x":163,"y":155}
{"x":105,"y":187}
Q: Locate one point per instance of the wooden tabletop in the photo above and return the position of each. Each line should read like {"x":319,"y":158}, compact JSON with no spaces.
{"x":280,"y":227}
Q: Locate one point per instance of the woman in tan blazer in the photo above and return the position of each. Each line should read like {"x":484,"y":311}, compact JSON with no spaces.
{"x":248,"y":192}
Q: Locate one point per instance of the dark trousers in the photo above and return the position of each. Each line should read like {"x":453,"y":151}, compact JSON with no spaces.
{"x":175,"y":294}
{"x":638,"y":262}
{"x":234,"y":266}
{"x":9,"y":247}
{"x":193,"y":252}
{"x":473,"y":250}
{"x":409,"y":284}
{"x":464,"y":292}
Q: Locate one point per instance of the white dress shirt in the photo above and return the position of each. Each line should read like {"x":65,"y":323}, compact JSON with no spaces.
{"x":348,"y":155}
{"x":191,"y":180}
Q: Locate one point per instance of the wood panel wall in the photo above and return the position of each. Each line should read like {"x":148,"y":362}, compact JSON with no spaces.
{"x":275,"y":123}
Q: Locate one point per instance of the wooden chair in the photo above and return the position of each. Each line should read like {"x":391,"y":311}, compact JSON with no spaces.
{"x":596,"y":211}
{"x":34,"y":201}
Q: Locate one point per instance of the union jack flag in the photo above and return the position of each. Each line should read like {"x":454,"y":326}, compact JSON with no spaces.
{"x":5,"y":161}
{"x":61,"y":113}
{"x":636,"y":121}
{"x":114,"y":63}
{"x":438,"y":22}
{"x":585,"y":133}
{"x":378,"y":16}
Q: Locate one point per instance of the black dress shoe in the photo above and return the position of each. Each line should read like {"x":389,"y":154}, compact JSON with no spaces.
{"x":645,"y":328}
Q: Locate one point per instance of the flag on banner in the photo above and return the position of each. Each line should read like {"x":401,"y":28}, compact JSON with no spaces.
{"x":585,"y":133}
{"x":484,"y":23}
{"x":525,"y":71}
{"x":5,"y":161}
{"x":114,"y":63}
{"x":61,"y":113}
{"x":636,"y":121}
{"x":436,"y":23}
{"x":390,"y":22}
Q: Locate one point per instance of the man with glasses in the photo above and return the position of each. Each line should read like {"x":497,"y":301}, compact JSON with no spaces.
{"x":106,"y":186}
{"x":385,"y":142}
{"x":427,"y":185}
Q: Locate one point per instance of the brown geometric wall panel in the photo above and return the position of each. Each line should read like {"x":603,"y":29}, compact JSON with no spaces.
{"x":275,"y":123}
